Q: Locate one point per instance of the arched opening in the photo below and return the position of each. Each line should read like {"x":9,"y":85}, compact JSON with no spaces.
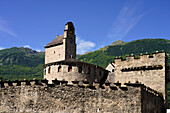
{"x":80,"y":69}
{"x":89,"y":70}
{"x":113,"y":70}
{"x":70,"y":69}
{"x":59,"y":69}
{"x":49,"y":70}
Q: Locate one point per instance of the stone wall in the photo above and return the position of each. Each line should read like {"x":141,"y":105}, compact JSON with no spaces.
{"x":55,"y":53}
{"x":148,"y":104}
{"x":65,"y":50}
{"x":149,"y":70}
{"x":95,"y":73}
{"x":70,"y":46}
{"x":63,"y":98}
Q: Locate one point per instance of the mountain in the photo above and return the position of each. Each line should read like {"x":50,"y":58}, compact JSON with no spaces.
{"x":118,"y":42}
{"x":19,"y":63}
{"x":103,"y":56}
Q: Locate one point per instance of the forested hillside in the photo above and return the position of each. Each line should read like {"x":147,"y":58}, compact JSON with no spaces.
{"x":19,"y":63}
{"x":107,"y":54}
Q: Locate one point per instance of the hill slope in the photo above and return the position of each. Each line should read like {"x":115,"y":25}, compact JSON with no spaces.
{"x":103,"y":56}
{"x":19,"y":63}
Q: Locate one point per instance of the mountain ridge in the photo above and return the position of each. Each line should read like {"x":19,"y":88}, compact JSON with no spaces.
{"x":19,"y":63}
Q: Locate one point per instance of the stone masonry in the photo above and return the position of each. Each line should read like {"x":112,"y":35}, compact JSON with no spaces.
{"x":61,"y":62}
{"x":149,"y":70}
{"x":59,"y":97}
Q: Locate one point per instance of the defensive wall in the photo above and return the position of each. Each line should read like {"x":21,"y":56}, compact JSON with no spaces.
{"x":150,"y":70}
{"x":79,"y":97}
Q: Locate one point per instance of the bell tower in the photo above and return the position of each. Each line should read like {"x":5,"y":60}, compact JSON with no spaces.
{"x":69,"y":41}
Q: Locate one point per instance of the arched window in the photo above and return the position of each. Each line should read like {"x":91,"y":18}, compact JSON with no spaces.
{"x":89,"y":70}
{"x":70,"y":69}
{"x":59,"y":69}
{"x":80,"y":69}
{"x":49,"y":70}
{"x":44,"y":71}
{"x":113,"y":70}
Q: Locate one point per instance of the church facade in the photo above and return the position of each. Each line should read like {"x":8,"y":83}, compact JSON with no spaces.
{"x":61,"y":62}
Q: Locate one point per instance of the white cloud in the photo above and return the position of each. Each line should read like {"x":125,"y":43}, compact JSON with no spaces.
{"x":28,"y":46}
{"x":126,"y":20}
{"x":1,"y":48}
{"x":84,"y":46}
{"x":4,"y":27}
{"x":38,"y":50}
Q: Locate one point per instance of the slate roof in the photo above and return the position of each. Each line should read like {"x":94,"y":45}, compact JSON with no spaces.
{"x":58,"y":40}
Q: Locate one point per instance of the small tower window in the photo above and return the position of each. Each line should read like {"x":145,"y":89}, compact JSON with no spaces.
{"x":44,"y":71}
{"x":49,"y":70}
{"x":59,"y":69}
{"x":54,"y":51}
{"x":80,"y":69}
{"x":89,"y":70}
{"x":70,"y":69}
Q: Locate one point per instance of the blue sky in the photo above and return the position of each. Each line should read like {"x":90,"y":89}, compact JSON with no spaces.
{"x":34,"y":23}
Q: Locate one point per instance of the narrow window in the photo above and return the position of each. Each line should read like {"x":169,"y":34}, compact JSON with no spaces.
{"x":54,"y":51}
{"x":49,"y":70}
{"x":113,"y":70}
{"x":80,"y":69}
{"x":59,"y":69}
{"x":89,"y":71}
{"x":45,"y":72}
{"x":70,"y":69}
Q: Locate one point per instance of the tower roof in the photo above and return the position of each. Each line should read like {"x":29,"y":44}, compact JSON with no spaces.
{"x":58,"y":40}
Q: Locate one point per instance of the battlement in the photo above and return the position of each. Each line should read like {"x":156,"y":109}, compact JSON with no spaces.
{"x":158,"y":56}
{"x":149,"y":69}
{"x":81,"y":84}
{"x":78,"y":96}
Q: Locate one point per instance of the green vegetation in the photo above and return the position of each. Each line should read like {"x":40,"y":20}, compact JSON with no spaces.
{"x":103,"y":56}
{"x":19,"y":63}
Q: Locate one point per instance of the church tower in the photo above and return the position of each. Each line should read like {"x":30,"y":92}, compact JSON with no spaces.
{"x":69,"y":41}
{"x":62,"y":47}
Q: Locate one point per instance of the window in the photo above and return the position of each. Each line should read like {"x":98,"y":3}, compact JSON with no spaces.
{"x":89,"y":71}
{"x":70,"y":69}
{"x":59,"y":69}
{"x":54,"y":51}
{"x":113,"y":70}
{"x":49,"y":70}
{"x":80,"y":69}
{"x":44,"y":71}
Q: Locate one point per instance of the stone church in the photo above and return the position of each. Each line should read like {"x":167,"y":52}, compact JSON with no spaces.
{"x":61,"y":62}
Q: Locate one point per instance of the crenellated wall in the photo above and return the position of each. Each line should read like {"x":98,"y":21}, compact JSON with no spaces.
{"x":32,"y":96}
{"x":149,"y":70}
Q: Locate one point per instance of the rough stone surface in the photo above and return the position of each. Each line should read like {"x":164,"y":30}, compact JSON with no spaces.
{"x":147,"y":74}
{"x":95,"y":73}
{"x":74,"y":99}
